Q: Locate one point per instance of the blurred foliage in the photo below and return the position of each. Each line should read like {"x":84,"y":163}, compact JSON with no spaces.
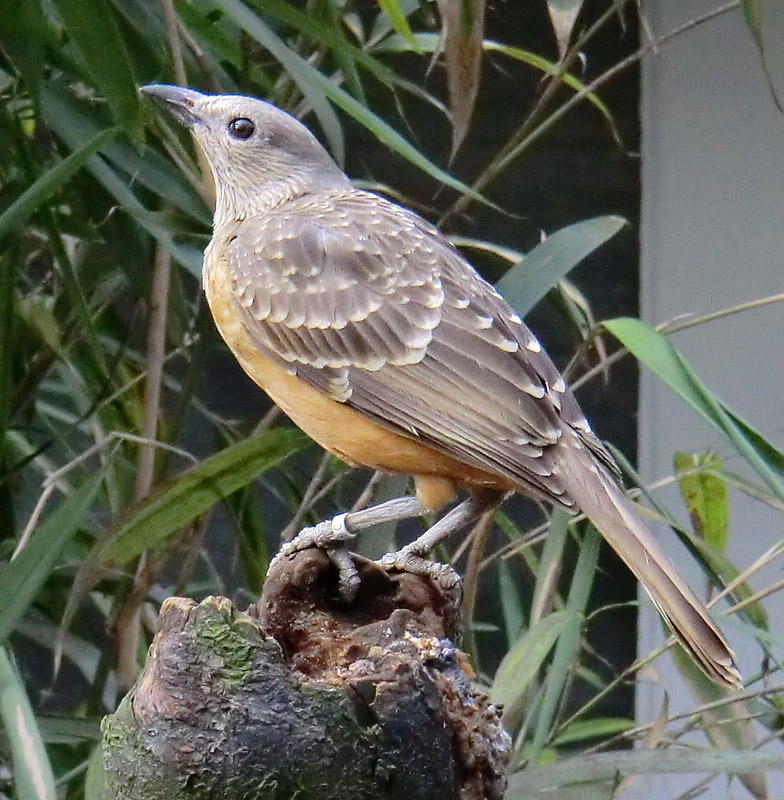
{"x":124,"y":475}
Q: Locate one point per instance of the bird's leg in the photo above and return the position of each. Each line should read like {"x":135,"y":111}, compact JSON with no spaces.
{"x":332,"y":536}
{"x":413,"y":557}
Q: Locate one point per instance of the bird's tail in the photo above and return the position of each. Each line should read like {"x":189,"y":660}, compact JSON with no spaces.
{"x":604,"y":503}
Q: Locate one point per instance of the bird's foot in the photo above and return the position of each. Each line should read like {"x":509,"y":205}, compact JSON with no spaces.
{"x":413,"y":560}
{"x":332,"y":536}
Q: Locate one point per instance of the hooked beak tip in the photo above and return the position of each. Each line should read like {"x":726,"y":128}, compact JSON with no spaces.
{"x":177,"y":101}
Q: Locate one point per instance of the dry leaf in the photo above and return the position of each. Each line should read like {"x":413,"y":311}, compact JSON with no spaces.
{"x":463,"y":25}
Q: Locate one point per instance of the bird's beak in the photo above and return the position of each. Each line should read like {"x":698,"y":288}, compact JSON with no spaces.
{"x":179,"y":102}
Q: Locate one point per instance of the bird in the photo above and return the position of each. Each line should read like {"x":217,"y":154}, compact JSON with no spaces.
{"x":378,"y":338}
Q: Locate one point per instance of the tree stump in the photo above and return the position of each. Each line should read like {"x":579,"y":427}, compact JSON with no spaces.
{"x":302,"y":697}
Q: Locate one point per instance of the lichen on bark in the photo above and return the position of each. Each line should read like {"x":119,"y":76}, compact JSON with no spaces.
{"x":303,"y":698}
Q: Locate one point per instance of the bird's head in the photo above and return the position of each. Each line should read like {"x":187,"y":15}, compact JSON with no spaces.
{"x":258,"y":154}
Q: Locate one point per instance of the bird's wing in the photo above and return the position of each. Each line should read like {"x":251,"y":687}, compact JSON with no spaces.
{"x":371,"y":305}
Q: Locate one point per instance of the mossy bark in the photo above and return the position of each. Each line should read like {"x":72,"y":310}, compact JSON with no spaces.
{"x":302,"y":698}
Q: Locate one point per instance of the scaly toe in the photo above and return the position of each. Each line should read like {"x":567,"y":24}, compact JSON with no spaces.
{"x":442,"y":575}
{"x":331,"y":536}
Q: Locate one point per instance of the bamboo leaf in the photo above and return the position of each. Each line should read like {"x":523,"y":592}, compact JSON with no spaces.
{"x":549,"y":68}
{"x":22,"y":37}
{"x":95,"y":32}
{"x":33,"y":774}
{"x":774,"y":457}
{"x":398,"y":19}
{"x":752,"y":13}
{"x":9,"y":267}
{"x":528,"y":281}
{"x":537,"y":782}
{"x":522,"y":663}
{"x":463,"y":24}
{"x":654,"y":350}
{"x":212,"y":35}
{"x":325,"y":34}
{"x":549,"y":565}
{"x":512,"y":606}
{"x":598,"y":728}
{"x":568,"y":641}
{"x":705,"y":494}
{"x":22,"y":578}
{"x":563,"y":15}
{"x":177,"y":505}
{"x":50,"y":182}
{"x":95,"y":786}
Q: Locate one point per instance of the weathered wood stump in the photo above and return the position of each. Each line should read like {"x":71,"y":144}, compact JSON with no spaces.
{"x":300,"y":697}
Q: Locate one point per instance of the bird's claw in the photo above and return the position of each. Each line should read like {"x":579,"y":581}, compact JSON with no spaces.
{"x":332,"y":536}
{"x":442,"y":575}
{"x":328,"y":534}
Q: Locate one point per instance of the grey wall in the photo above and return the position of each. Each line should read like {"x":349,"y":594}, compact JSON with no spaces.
{"x":712,"y":236}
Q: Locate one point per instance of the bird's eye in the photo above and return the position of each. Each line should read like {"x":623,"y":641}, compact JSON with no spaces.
{"x":241,"y":128}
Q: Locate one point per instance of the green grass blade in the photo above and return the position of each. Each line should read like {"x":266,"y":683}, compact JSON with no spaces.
{"x":95,"y":786}
{"x":597,"y":728}
{"x":383,"y":539}
{"x":398,"y":20}
{"x":542,"y":64}
{"x":50,"y":182}
{"x":528,"y":281}
{"x":94,"y":29}
{"x":23,"y":37}
{"x":538,"y":782}
{"x":22,"y":578}
{"x":70,"y":730}
{"x":552,"y":553}
{"x":33,"y":774}
{"x":655,"y":351}
{"x":512,"y":606}
{"x":522,"y":663}
{"x":177,"y":505}
{"x":9,"y":265}
{"x":568,"y":641}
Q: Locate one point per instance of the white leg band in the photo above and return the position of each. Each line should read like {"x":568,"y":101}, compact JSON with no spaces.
{"x":339,"y":527}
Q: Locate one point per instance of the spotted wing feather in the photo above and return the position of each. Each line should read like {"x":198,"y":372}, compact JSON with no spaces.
{"x":335,"y":288}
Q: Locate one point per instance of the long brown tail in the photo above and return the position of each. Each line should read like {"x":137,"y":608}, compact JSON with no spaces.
{"x":604,"y":503}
